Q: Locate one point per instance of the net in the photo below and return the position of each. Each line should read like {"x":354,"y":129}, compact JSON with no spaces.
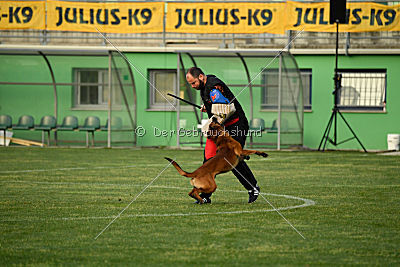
{"x":291,"y":102}
{"x":98,"y":84}
{"x":268,"y":87}
{"x":122,"y":103}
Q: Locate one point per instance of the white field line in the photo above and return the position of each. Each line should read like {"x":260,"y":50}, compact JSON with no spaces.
{"x":275,"y":209}
{"x":83,"y":184}
{"x":307,"y":202}
{"x":144,"y":165}
{"x":144,"y":189}
{"x":172,"y":187}
{"x":305,"y":157}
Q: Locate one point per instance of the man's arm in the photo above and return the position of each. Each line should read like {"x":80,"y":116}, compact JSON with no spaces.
{"x":221,"y":106}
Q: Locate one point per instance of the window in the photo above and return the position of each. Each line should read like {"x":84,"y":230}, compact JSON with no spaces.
{"x":362,"y":89}
{"x":92,"y":87}
{"x":306,"y":78}
{"x":164,"y":81}
{"x":270,"y":86}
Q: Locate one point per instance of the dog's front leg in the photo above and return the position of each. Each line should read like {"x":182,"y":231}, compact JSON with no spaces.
{"x":244,"y":153}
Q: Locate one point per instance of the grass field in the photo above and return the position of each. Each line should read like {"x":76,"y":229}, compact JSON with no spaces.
{"x":54,"y":202}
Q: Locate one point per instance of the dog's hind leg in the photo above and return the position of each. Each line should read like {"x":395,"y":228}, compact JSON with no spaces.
{"x":195,"y":194}
{"x":210,"y":187}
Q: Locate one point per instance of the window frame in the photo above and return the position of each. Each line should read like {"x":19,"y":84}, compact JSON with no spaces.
{"x":102,"y":105}
{"x":364,"y":108}
{"x":271,"y":107}
{"x":152,"y":106}
{"x":308,"y":72}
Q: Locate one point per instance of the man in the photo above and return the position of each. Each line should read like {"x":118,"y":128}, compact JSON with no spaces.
{"x":213,"y":91}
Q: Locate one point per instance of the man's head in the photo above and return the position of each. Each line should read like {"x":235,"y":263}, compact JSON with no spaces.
{"x":196,"y":78}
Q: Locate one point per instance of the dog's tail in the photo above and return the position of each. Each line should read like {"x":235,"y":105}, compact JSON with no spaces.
{"x":181,"y":172}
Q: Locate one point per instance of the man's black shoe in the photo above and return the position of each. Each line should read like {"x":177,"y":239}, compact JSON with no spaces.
{"x":253,"y":194}
{"x":206,"y":200}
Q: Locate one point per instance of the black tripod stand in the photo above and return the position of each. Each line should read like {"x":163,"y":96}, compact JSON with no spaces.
{"x":333,"y":119}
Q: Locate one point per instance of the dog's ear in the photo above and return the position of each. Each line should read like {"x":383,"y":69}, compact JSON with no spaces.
{"x":214,"y":119}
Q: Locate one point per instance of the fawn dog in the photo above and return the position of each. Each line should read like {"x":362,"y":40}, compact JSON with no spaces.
{"x":229,"y":153}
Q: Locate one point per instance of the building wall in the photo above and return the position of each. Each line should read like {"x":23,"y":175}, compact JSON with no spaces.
{"x":371,"y":128}
{"x":165,"y":120}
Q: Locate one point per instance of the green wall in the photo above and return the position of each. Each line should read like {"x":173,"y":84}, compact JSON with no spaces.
{"x":145,"y":118}
{"x":371,"y":128}
{"x":38,"y":100}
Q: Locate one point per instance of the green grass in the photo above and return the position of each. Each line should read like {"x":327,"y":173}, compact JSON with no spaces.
{"x":54,"y":202}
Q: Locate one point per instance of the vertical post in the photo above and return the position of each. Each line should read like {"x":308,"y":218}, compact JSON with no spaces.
{"x":279,"y":103}
{"x":249,"y":83}
{"x":289,"y":44}
{"x":54,"y":89}
{"x":44,"y":32}
{"x":109,"y":101}
{"x":164,"y":22}
{"x":43,"y":40}
{"x":104,"y":40}
{"x":336,"y":84}
{"x":178,"y":106}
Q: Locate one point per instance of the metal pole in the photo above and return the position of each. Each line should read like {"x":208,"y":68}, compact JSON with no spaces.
{"x":164,"y":25}
{"x":54,"y":83}
{"x":279,"y":102}
{"x":336,"y":92}
{"x":347,"y":43}
{"x":44,"y":32}
{"x":188,"y":90}
{"x":134,"y":98}
{"x":43,"y":40}
{"x":249,"y":83}
{"x":178,"y":69}
{"x":55,"y":91}
{"x":109,"y":101}
{"x":289,"y":45}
